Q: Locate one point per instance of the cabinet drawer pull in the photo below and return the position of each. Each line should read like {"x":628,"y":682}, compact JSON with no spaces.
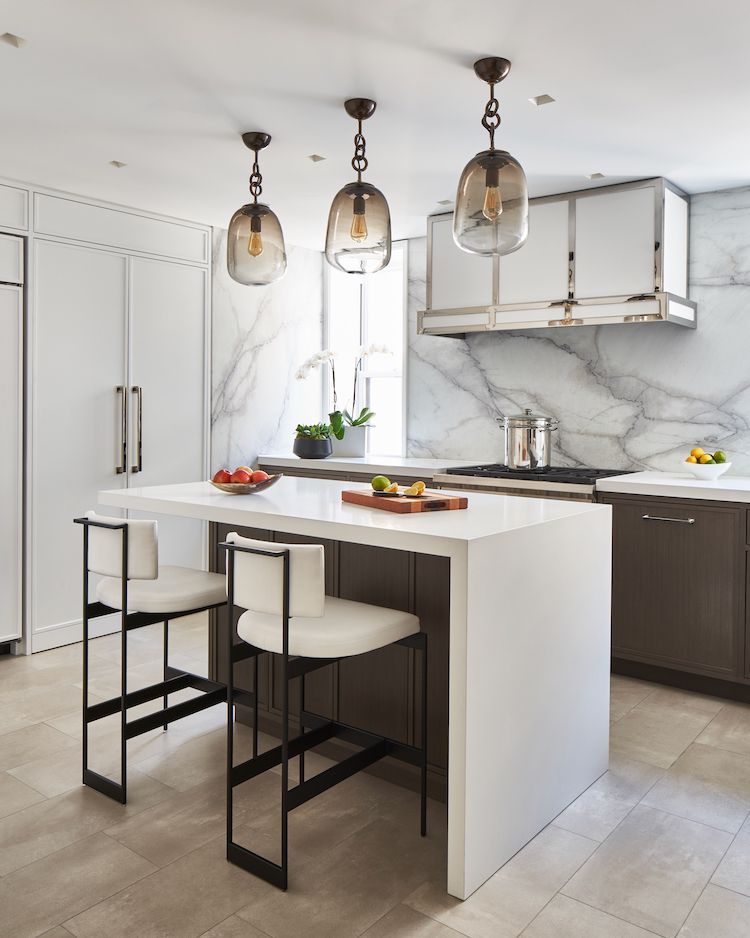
{"x":675,"y":520}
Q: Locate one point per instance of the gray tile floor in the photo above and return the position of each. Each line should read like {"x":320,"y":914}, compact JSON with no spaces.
{"x":660,"y":845}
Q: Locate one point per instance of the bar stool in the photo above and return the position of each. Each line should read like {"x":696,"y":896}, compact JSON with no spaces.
{"x":125,"y":553}
{"x":282,"y":589}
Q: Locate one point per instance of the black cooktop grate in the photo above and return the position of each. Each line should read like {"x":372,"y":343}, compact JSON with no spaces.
{"x":565,"y":474}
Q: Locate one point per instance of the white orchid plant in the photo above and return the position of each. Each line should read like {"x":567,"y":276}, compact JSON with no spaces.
{"x":343,"y":418}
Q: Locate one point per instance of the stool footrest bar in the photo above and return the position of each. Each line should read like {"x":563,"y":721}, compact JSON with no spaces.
{"x":272,"y":757}
{"x":176,"y":712}
{"x":351,"y":734}
{"x":337,"y":773}
{"x":137,"y":697}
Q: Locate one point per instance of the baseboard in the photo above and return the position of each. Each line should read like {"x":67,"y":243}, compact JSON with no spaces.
{"x":685,"y":680}
{"x":68,"y":633}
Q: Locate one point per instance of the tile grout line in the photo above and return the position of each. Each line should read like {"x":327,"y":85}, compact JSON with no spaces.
{"x":706,"y":885}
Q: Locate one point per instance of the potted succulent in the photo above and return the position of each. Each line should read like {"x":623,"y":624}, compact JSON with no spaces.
{"x":348,"y":428}
{"x":313,"y":441}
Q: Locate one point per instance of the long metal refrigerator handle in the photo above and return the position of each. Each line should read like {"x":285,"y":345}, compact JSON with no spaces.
{"x":138,"y":467}
{"x":123,"y":392}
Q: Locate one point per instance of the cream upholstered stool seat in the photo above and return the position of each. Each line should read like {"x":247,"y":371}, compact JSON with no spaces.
{"x":345,"y":628}
{"x":176,"y":589}
{"x":124,"y":553}
{"x":281,"y":587}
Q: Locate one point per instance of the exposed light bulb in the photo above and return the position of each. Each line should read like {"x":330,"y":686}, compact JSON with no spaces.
{"x":255,"y":244}
{"x":493,"y":204}
{"x":358,"y":230}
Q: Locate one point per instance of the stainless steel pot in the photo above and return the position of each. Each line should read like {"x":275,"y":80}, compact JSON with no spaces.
{"x":528,"y":440}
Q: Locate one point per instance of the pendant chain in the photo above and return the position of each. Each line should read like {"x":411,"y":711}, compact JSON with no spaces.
{"x":256,"y":180}
{"x":359,"y":160}
{"x":491,"y":118}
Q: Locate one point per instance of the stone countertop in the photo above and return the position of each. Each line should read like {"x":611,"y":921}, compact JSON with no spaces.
{"x":728,"y":488}
{"x":417,"y":466}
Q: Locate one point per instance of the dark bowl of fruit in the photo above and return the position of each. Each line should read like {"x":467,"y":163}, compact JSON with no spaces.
{"x":244,"y":481}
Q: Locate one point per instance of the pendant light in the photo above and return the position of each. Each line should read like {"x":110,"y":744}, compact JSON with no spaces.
{"x":492,"y":202}
{"x":255,"y":243}
{"x":358,"y":239}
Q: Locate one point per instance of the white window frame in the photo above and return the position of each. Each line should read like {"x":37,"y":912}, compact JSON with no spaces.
{"x":363,"y":386}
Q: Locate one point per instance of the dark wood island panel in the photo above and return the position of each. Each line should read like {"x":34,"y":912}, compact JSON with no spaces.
{"x":380,"y":691}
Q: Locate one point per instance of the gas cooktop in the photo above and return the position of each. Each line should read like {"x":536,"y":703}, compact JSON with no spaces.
{"x":564,"y":474}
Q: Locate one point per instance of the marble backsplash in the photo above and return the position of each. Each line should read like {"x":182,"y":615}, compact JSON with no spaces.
{"x":626,"y":396}
{"x":260,"y":337}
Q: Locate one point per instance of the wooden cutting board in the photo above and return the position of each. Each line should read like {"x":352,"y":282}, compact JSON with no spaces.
{"x":405,"y":504}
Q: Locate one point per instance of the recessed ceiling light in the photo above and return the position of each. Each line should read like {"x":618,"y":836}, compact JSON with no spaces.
{"x":315,"y":157}
{"x":12,"y":40}
{"x":595,"y":176}
{"x":541,"y":99}
{"x":445,"y":202}
{"x":117,"y":164}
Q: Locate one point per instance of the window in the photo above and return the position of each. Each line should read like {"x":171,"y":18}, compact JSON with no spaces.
{"x":362,"y":311}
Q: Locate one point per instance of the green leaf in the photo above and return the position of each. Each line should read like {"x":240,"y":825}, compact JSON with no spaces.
{"x":365,"y":416}
{"x":337,"y":424}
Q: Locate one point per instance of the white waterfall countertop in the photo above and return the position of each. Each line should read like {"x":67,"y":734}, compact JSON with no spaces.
{"x":728,"y":488}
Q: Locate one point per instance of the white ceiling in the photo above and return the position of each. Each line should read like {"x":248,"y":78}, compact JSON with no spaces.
{"x":643,"y":87}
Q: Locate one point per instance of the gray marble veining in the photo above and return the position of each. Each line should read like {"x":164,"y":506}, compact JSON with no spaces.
{"x":626,"y":396}
{"x":260,"y":336}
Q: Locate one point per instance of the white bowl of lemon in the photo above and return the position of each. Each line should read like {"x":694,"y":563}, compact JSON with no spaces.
{"x":707,"y":466}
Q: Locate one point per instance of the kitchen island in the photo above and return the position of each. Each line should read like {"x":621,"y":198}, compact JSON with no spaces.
{"x":519,"y":589}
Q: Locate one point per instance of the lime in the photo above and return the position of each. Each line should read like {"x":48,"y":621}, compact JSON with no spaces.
{"x":720,"y":456}
{"x":380,"y":483}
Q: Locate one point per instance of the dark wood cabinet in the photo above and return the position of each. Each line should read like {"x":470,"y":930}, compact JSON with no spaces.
{"x":678,"y":587}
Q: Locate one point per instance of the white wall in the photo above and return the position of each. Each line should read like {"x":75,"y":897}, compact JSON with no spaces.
{"x":627,"y":396}
{"x":260,"y":336}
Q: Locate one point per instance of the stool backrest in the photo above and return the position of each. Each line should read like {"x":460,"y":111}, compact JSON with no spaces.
{"x":259,"y":580}
{"x":105,"y":548}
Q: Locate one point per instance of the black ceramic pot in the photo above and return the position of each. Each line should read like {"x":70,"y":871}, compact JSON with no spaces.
{"x":306,"y":448}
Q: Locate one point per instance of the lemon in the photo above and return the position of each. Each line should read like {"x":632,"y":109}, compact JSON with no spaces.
{"x":380,"y":483}
{"x":691,"y":459}
{"x":720,"y":456}
{"x":393,"y":487}
{"x":705,"y":459}
{"x":697,"y":452}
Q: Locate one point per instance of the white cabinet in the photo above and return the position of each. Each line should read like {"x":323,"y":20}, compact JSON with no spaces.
{"x":80,"y":357}
{"x":615,"y":243}
{"x":539,"y":270}
{"x":455,"y":278}
{"x":11,"y":465}
{"x":14,"y":207}
{"x":11,"y":259}
{"x":119,"y":399}
{"x":167,"y":391}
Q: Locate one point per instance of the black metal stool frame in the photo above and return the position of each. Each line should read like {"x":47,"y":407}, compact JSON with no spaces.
{"x":314,"y":730}
{"x":174,"y":678}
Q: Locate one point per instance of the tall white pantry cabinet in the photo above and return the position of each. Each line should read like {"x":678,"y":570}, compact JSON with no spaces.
{"x":117,"y":382}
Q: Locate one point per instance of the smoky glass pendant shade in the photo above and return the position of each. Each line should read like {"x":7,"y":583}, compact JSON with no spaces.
{"x":255,"y":246}
{"x":492,"y":205}
{"x":358,"y":238}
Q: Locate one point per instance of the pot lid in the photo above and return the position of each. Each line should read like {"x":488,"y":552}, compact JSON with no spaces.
{"x":529,"y":420}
